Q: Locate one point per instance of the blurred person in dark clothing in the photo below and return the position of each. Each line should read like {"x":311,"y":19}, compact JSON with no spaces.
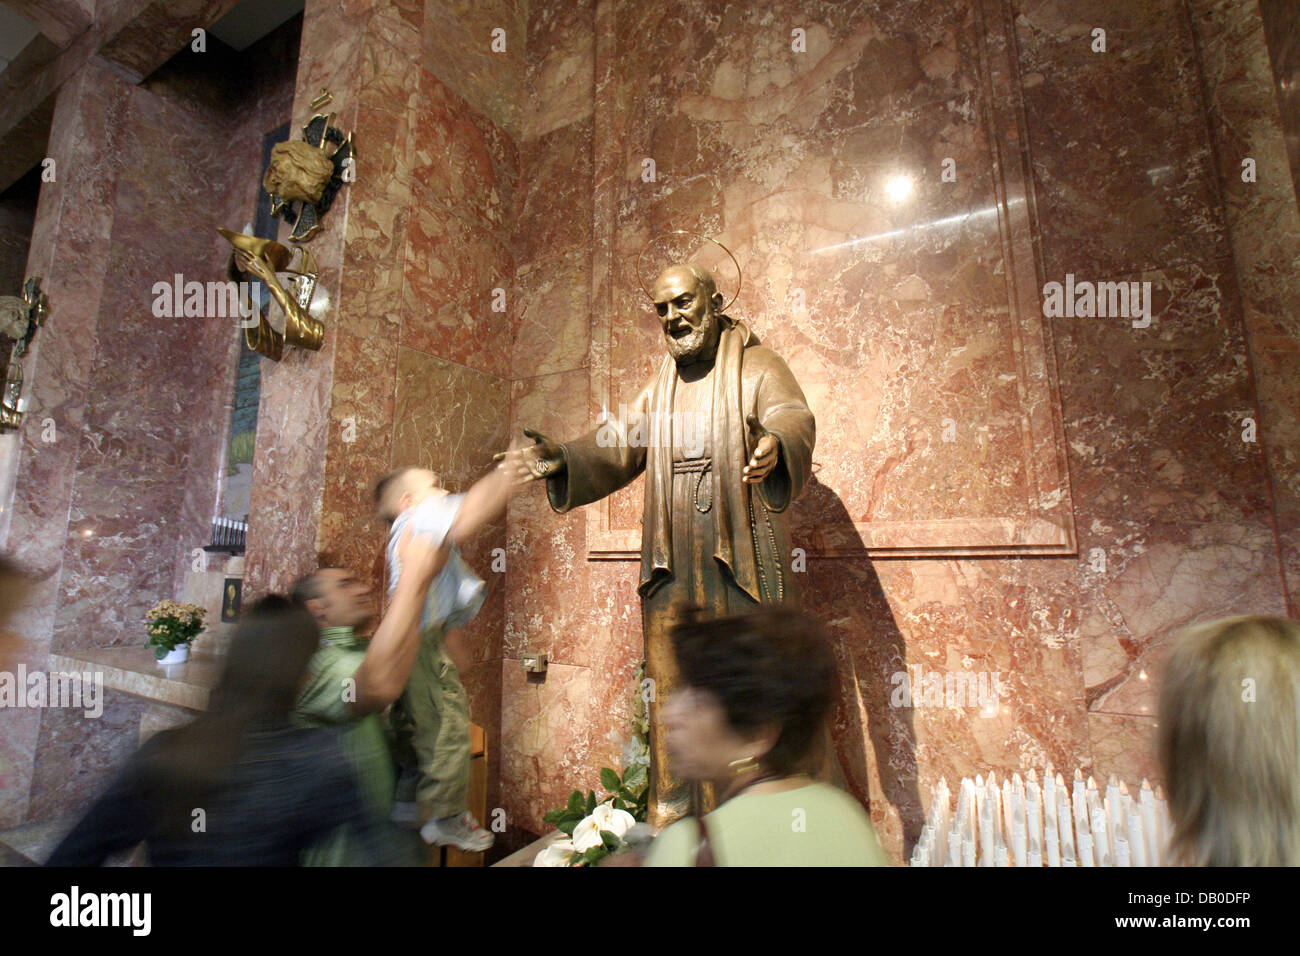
{"x":240,"y":786}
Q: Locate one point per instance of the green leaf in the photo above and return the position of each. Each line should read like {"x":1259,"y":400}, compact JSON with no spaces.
{"x":591,"y":800}
{"x":610,"y":841}
{"x":554,"y":816}
{"x":595,"y":854}
{"x":609,"y":780}
{"x":635,"y":776}
{"x":567,"y":826}
{"x":159,"y":653}
{"x":619,"y":804}
{"x":575,"y":801}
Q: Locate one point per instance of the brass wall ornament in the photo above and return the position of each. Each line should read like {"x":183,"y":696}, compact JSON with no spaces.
{"x":19,"y":320}
{"x":266,"y":260}
{"x":305,"y":175}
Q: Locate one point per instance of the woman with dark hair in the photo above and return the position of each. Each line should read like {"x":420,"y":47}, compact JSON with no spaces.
{"x":748,"y":716}
{"x":240,"y":786}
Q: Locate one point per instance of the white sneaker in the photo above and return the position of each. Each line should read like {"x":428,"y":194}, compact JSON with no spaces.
{"x":462,"y":831}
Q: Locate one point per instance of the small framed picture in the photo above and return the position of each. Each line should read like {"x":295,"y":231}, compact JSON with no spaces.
{"x":230,"y":599}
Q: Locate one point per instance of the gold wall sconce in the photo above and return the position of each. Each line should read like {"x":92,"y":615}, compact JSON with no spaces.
{"x":267,"y":260}
{"x":19,"y":320}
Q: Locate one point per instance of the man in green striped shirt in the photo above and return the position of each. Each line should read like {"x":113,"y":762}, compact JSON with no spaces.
{"x":350,"y":682}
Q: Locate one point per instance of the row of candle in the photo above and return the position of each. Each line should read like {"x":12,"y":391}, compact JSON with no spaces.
{"x":1023,"y":824}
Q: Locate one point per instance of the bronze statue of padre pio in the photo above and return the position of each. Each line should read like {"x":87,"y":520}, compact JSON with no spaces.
{"x":725,"y":438}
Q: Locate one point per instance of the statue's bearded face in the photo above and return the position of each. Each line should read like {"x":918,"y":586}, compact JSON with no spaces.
{"x":688,"y":313}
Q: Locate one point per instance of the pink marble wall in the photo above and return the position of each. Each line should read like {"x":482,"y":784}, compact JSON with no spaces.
{"x":336,"y":405}
{"x":415,"y":363}
{"x":1178,"y":520}
{"x":520,"y":171}
{"x":111,"y":502}
{"x":73,"y":215}
{"x":1264,"y":224}
{"x":558,"y":731}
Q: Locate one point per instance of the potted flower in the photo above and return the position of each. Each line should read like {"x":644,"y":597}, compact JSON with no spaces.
{"x":172,"y":626}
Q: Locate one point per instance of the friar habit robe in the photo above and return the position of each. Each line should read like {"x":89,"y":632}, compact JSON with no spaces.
{"x":707,"y":538}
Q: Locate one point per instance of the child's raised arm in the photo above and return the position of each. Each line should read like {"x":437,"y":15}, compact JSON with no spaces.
{"x":483,"y":504}
{"x":386,"y":668}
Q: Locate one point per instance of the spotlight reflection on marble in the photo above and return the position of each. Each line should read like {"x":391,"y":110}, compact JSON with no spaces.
{"x":899,"y":188}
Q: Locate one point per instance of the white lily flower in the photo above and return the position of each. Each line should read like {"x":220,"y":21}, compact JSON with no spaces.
{"x":557,"y":854}
{"x":586,"y":834}
{"x":617,"y":822}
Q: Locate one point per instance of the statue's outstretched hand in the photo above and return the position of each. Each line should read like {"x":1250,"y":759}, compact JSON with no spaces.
{"x":254,"y":265}
{"x":541,"y":459}
{"x":766,"y":450}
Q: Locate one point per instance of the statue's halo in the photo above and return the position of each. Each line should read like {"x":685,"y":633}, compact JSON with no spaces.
{"x":687,"y":232}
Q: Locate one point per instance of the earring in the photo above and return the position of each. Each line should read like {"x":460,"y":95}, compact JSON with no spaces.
{"x":742,"y":766}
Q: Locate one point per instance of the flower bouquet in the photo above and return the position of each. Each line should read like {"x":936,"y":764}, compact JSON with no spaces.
{"x":596,"y":829}
{"x":172,"y":626}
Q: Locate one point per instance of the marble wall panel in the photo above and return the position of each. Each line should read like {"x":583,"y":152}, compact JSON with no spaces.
{"x":546,"y":722}
{"x":1131,"y":183}
{"x":466,"y":163}
{"x":554,"y":213}
{"x":451,"y":305}
{"x":141,"y":35}
{"x":452,"y":420}
{"x":296,"y":429}
{"x":554,"y":327}
{"x":463,"y":48}
{"x":483,"y":687}
{"x":1248,"y":53}
{"x":155,"y":412}
{"x":1282,"y":35}
{"x":60,"y":20}
{"x":69,"y":249}
{"x":546,"y":556}
{"x":559,"y":67}
{"x":900,"y":306}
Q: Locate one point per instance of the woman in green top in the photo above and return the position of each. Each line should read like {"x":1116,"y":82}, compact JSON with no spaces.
{"x":747,"y":716}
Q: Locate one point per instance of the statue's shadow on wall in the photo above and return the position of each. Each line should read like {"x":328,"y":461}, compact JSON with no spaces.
{"x":845,"y":594}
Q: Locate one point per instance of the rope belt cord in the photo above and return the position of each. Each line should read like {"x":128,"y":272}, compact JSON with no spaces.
{"x":700,"y":467}
{"x":765,"y":588}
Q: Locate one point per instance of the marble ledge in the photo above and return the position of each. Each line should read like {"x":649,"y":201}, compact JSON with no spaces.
{"x":133,"y":670}
{"x":528,"y":854}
